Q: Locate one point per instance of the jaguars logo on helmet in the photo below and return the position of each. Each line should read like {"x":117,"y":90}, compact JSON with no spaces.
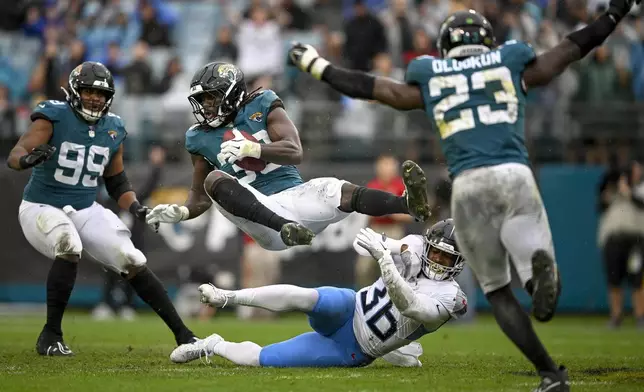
{"x":465,"y":33}
{"x":90,"y":75}
{"x":217,"y":91}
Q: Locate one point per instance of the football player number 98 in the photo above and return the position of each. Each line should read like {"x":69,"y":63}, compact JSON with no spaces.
{"x":506,"y":95}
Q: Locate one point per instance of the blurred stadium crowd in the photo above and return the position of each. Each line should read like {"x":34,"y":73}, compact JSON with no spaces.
{"x":153,"y":46}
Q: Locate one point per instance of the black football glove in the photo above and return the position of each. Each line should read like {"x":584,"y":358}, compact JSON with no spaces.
{"x":140,"y":212}
{"x":620,"y":8}
{"x":37,"y":156}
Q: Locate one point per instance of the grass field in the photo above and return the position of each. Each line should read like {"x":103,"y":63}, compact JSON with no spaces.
{"x":126,"y":357}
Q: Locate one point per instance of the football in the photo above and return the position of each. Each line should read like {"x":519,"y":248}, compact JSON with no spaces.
{"x":252,"y":164}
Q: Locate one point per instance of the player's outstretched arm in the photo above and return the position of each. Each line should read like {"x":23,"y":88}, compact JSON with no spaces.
{"x":32,"y":149}
{"x":198,"y":201}
{"x":286,"y":147}
{"x":356,"y":84}
{"x":117,"y":184}
{"x":576,"y":45}
{"x":414,"y":305}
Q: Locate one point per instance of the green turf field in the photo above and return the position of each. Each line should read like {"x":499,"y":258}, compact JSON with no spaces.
{"x":128,"y":357}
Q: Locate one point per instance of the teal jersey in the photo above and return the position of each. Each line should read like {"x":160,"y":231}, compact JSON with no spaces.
{"x":206,"y":141}
{"x":83,"y":151}
{"x":477,"y":104}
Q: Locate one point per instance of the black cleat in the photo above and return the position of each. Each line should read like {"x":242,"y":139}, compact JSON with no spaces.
{"x":51,"y":344}
{"x":554,"y":382}
{"x":294,"y":234}
{"x":416,"y":191}
{"x":546,"y":286}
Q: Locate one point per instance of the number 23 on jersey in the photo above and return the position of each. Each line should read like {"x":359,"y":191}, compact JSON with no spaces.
{"x":463,"y":94}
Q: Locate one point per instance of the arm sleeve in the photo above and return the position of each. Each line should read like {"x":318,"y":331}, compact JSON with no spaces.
{"x":409,"y":303}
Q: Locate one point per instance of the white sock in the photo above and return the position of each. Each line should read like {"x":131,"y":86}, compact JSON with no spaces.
{"x":277,"y":298}
{"x":244,"y":353}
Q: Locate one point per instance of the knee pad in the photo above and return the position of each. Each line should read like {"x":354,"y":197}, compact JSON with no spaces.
{"x":133,"y":258}
{"x":67,"y":242}
{"x":214,"y":179}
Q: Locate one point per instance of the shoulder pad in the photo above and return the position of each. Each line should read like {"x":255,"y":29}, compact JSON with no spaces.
{"x":50,"y":110}
{"x":116,"y":120}
{"x":419,"y":70}
{"x":517,"y":54}
{"x":460,"y":304}
{"x":192,"y":139}
{"x":266,"y":99}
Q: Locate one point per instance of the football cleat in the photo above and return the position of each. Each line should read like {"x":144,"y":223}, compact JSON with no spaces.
{"x":51,"y":344}
{"x":213,"y":296}
{"x":416,"y":191}
{"x":195,"y":350}
{"x":554,"y":382}
{"x":294,"y":234}
{"x":546,"y":286}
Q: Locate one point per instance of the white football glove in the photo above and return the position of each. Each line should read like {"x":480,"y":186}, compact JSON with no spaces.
{"x":411,"y":264}
{"x":373,"y":243}
{"x":238,"y":149}
{"x":307,"y":59}
{"x":406,"y":356}
{"x":167,"y":213}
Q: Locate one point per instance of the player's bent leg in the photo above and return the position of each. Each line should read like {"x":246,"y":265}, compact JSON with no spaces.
{"x":243,"y":354}
{"x":276,"y":298}
{"x":311,"y":349}
{"x":50,"y":231}
{"x":242,"y":202}
{"x":107,"y":240}
{"x":333,"y":309}
{"x":528,"y":239}
{"x":374,"y":202}
{"x":315,"y":204}
{"x":516,"y":325}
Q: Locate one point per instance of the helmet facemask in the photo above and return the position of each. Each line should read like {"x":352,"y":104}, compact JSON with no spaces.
{"x":214,"y":107}
{"x":90,"y":95}
{"x":440,"y":261}
{"x":94,"y":103}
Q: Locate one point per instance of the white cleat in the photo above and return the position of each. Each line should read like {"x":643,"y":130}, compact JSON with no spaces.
{"x":214,"y":296}
{"x":191,"y":351}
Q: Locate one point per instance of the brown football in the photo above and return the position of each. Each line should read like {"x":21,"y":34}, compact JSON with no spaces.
{"x":252,"y":164}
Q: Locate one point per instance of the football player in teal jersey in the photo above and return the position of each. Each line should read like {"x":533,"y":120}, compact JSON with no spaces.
{"x":245,"y":149}
{"x":475,"y":96}
{"x":69,"y":145}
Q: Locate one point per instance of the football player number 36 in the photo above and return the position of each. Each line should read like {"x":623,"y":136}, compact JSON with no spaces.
{"x":465,"y":121}
{"x":72,"y":164}
{"x":373,"y":314}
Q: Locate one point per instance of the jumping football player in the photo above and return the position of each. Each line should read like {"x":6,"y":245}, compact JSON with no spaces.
{"x":254,"y":147}
{"x":475,"y":95}
{"x":416,"y":295}
{"x":69,"y":145}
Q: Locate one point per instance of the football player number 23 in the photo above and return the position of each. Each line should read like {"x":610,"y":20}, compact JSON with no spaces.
{"x":465,"y":121}
{"x":72,"y":164}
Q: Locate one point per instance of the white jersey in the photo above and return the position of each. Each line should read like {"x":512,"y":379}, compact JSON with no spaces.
{"x":380,"y":327}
